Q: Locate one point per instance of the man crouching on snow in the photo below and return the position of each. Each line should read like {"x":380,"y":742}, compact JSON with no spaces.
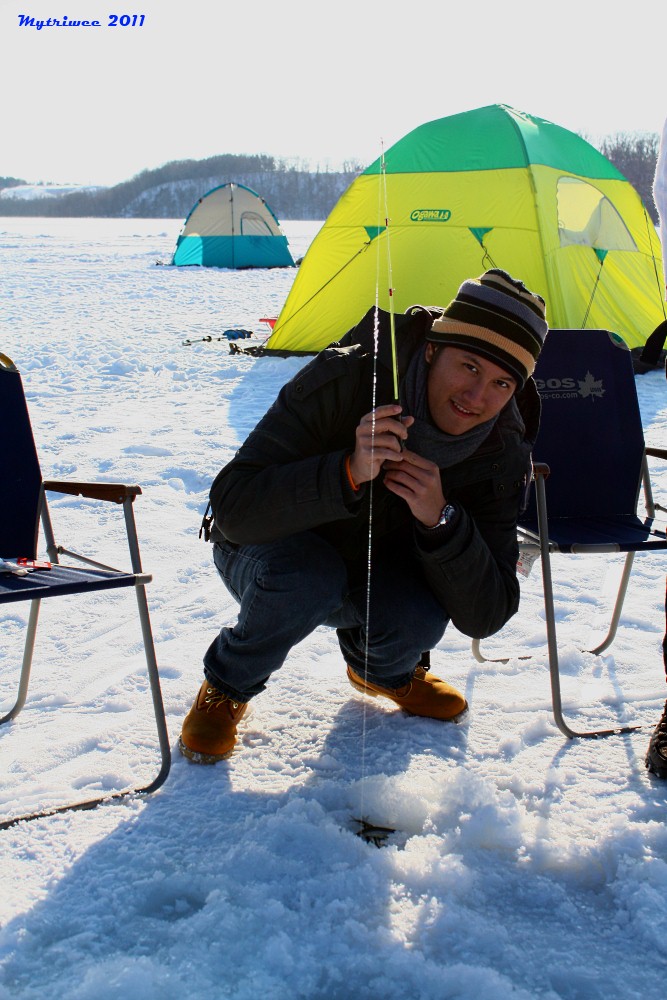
{"x":449,"y":467}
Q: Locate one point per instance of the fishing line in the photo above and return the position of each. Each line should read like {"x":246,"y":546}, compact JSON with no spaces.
{"x":382,"y":197}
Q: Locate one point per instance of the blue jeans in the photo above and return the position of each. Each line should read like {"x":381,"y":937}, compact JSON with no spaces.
{"x":287,"y":588}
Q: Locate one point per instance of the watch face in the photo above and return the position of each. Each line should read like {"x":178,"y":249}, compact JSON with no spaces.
{"x":447,"y":514}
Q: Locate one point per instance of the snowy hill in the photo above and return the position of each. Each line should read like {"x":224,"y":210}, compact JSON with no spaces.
{"x":172,"y":190}
{"x":31,"y":192}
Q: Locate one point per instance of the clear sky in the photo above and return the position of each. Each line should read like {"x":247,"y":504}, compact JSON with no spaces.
{"x":320,"y":83}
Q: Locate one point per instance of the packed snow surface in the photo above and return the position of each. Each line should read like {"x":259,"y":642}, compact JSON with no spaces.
{"x":523,"y":864}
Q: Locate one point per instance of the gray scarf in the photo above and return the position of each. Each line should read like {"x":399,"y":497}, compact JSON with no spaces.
{"x":424,"y":437}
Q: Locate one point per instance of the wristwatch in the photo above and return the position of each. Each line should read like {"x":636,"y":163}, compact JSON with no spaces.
{"x":447,"y":514}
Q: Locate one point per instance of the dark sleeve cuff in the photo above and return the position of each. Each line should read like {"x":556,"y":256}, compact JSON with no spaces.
{"x":430,"y":539}
{"x":350,"y":496}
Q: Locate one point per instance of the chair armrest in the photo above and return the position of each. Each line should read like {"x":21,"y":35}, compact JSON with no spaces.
{"x":114,"y":492}
{"x":656,"y":452}
{"x":541,"y":469}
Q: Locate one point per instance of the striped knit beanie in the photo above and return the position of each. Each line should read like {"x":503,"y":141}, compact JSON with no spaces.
{"x":496,"y":317}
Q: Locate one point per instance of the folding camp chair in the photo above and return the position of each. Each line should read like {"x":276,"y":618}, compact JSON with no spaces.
{"x":23,"y":503}
{"x":590,"y":464}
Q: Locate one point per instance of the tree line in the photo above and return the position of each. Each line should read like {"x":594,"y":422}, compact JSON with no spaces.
{"x":635,"y":154}
{"x":170,"y":191}
{"x":291,"y":189}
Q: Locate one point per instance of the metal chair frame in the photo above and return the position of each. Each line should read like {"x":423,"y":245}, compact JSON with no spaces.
{"x":538,"y":543}
{"x":46,"y":585}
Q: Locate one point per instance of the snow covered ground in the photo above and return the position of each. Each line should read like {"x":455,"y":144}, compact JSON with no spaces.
{"x":524,"y":865}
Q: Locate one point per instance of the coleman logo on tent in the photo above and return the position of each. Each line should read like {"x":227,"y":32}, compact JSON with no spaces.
{"x":564,"y":388}
{"x":430,"y":215}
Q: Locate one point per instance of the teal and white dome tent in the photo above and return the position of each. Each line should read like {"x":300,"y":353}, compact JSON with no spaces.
{"x":232,"y":226}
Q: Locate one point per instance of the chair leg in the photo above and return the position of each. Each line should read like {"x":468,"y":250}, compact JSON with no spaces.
{"x":149,"y":649}
{"x":158,"y":709}
{"x":618,"y":607}
{"x":479,"y":655}
{"x":554,"y":668}
{"x":611,"y":634}
{"x":28,"y":650}
{"x":552,"y":643}
{"x":156,"y":692}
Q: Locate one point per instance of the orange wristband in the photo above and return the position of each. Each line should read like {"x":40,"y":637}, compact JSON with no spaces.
{"x":349,"y":474}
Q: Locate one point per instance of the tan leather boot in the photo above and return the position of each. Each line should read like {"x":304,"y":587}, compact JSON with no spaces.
{"x":209,"y":729}
{"x":425,"y":695}
{"x":656,"y":755}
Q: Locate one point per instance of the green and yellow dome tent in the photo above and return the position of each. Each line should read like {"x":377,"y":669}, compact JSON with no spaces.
{"x":492,"y":187}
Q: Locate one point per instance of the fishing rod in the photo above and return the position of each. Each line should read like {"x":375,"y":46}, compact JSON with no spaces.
{"x":390,"y":280}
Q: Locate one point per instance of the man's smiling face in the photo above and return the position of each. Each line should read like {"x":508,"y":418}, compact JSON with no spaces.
{"x":464,"y":389}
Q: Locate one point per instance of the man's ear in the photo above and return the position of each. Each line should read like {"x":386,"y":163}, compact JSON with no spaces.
{"x":429,"y":354}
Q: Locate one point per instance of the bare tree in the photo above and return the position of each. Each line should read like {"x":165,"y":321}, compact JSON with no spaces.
{"x":635,"y":155}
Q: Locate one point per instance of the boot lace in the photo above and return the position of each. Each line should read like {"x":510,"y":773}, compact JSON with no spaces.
{"x":215,"y":698}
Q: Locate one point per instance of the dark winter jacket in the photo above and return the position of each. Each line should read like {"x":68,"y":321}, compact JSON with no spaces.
{"x":289,"y":477}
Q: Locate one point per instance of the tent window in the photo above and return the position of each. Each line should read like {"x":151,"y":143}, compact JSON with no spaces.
{"x":253,"y":224}
{"x":587,"y":218}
